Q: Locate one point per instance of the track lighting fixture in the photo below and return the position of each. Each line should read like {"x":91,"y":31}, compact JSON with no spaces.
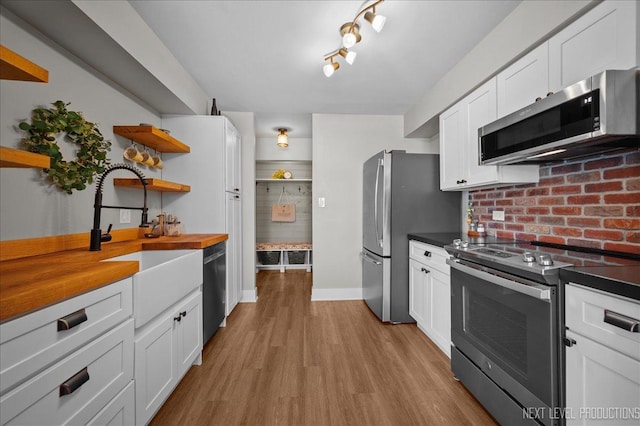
{"x":350,"y":33}
{"x":283,"y":138}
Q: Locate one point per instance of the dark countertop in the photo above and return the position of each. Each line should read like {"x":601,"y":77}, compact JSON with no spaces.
{"x":620,"y":280}
{"x":442,"y":239}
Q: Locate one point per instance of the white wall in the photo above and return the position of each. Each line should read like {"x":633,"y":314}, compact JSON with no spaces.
{"x":29,"y":207}
{"x":341,"y":144}
{"x":299,"y":149}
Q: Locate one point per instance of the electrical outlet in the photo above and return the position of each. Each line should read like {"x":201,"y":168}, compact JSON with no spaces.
{"x":498,"y":215}
{"x":321,"y":202}
{"x":125,"y":216}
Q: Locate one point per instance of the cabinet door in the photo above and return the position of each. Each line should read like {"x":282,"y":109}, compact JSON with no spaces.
{"x":234,"y":251}
{"x":598,"y":377}
{"x":439,"y":310}
{"x":155,"y":368}
{"x":521,"y":83}
{"x":418,"y":292}
{"x":452,"y":147}
{"x":480,"y":108}
{"x":232,"y":158}
{"x":189,"y":333}
{"x":604,"y":38}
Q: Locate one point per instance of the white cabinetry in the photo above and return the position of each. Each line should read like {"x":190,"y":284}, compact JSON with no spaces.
{"x":164,"y":351}
{"x":524,"y":81}
{"x":604,"y":38}
{"x":430,"y":292}
{"x":52,"y":374}
{"x":459,"y":167}
{"x":603,"y":361}
{"x":214,"y":204}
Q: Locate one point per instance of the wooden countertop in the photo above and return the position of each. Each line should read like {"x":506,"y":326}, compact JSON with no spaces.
{"x":31,"y":283}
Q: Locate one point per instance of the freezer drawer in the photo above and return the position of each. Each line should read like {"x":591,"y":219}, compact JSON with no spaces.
{"x":376,"y":280}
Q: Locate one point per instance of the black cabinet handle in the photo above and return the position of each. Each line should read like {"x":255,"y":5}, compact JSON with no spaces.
{"x":71,"y":320}
{"x":622,"y":321}
{"x":426,"y":271}
{"x":178,"y":318}
{"x":74,"y":382}
{"x":183,"y":313}
{"x":427,"y":253}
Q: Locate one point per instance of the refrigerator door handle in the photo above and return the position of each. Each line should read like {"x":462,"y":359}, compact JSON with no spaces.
{"x":364,"y":256}
{"x":375,"y":201}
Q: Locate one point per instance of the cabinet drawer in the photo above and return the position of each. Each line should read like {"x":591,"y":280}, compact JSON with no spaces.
{"x":120,"y":411}
{"x":109,"y":363}
{"x":33,"y":342}
{"x":585,"y":315}
{"x":433,"y":256}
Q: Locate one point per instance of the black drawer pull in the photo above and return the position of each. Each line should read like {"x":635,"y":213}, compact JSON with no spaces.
{"x":427,"y":253}
{"x":622,"y":321}
{"x":74,"y":382}
{"x":71,"y":320}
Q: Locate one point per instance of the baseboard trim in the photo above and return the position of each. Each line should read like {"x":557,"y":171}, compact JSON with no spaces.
{"x":328,"y":294}
{"x":249,"y":296}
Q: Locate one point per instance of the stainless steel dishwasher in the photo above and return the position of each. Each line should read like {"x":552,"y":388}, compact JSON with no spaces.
{"x":213,"y":289}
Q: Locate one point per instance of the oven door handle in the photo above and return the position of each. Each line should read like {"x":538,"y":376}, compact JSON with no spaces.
{"x":502,"y":279}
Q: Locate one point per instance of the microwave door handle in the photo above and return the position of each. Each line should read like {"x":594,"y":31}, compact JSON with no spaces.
{"x":531,"y":289}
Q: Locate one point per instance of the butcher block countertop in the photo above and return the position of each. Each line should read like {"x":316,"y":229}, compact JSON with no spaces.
{"x":31,"y":283}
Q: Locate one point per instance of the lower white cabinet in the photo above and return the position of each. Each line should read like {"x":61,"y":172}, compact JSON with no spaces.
{"x":164,"y":350}
{"x":77,"y":387}
{"x":121,"y":411}
{"x":430,"y":292}
{"x":603,"y":360}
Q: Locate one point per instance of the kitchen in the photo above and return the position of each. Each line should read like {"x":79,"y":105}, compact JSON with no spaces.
{"x":336,"y":269}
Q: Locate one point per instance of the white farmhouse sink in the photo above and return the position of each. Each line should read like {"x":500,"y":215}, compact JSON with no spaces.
{"x":165,"y":277}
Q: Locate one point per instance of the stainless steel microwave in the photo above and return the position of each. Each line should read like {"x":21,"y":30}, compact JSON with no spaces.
{"x":596,"y":115}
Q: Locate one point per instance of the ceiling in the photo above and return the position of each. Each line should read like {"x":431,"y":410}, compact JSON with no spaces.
{"x":266,"y":56}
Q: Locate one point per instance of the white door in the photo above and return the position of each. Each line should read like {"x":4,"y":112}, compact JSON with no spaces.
{"x":603,"y":38}
{"x":234,"y":251}
{"x":521,"y":83}
{"x":599,"y":377}
{"x":480,"y":109}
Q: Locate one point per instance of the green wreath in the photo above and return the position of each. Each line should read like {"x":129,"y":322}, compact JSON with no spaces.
{"x":92,"y":153}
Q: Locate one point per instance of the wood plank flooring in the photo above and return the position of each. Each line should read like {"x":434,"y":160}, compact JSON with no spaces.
{"x":288,"y":361}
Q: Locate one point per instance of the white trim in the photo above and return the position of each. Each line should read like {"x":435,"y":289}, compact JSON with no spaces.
{"x":321,"y":294}
{"x":249,"y":296}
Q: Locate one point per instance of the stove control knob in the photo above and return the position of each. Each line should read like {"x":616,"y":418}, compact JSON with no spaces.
{"x":465,"y":244}
{"x":528,"y":257}
{"x":457,"y":242}
{"x":545,"y":260}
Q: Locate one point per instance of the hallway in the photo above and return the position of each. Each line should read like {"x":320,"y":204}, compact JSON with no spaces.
{"x":288,"y":361}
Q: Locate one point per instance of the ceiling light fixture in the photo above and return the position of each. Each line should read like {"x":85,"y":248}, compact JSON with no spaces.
{"x":283,"y":138}
{"x":350,"y":33}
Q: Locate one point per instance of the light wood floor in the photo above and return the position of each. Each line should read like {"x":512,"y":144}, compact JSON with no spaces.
{"x":288,"y":361}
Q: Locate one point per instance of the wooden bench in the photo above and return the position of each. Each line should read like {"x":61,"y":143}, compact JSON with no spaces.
{"x":283,"y":256}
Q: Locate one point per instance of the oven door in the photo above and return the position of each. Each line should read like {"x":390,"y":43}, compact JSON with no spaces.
{"x":506,"y":326}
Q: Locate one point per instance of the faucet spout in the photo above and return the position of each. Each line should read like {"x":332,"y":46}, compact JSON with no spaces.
{"x":96,"y":233}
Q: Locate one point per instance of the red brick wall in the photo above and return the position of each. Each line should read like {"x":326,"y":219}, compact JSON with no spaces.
{"x":592,"y":202}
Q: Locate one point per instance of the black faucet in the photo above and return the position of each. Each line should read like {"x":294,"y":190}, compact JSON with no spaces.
{"x":96,"y":233}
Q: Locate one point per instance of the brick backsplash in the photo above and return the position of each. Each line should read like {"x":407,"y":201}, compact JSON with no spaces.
{"x":592,"y":202}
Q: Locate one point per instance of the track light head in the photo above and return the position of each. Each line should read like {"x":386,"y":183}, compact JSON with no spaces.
{"x":350,"y":34}
{"x":330,"y":68}
{"x":348,"y":55}
{"x":376,"y":21}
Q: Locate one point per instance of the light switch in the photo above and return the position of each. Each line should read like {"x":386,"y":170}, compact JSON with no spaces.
{"x":125,"y":216}
{"x":498,"y":215}
{"x":321,"y":202}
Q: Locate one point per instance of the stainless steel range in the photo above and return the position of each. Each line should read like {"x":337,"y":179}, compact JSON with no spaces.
{"x":506,"y":326}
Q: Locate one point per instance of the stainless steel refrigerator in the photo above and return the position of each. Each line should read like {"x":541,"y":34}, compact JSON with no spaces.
{"x":401,"y":195}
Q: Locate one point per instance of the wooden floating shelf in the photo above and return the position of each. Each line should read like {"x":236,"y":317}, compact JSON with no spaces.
{"x":11,"y":157}
{"x":152,"y":185}
{"x":285,"y":180}
{"x":152,"y":137}
{"x":15,"y":67}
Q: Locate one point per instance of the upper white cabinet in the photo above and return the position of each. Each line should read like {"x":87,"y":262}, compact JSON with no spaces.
{"x":233,"y":158}
{"x":604,"y":38}
{"x":521,"y":83}
{"x":459,"y":166}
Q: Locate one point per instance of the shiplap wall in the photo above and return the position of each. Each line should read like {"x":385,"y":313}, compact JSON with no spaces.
{"x":268,"y":194}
